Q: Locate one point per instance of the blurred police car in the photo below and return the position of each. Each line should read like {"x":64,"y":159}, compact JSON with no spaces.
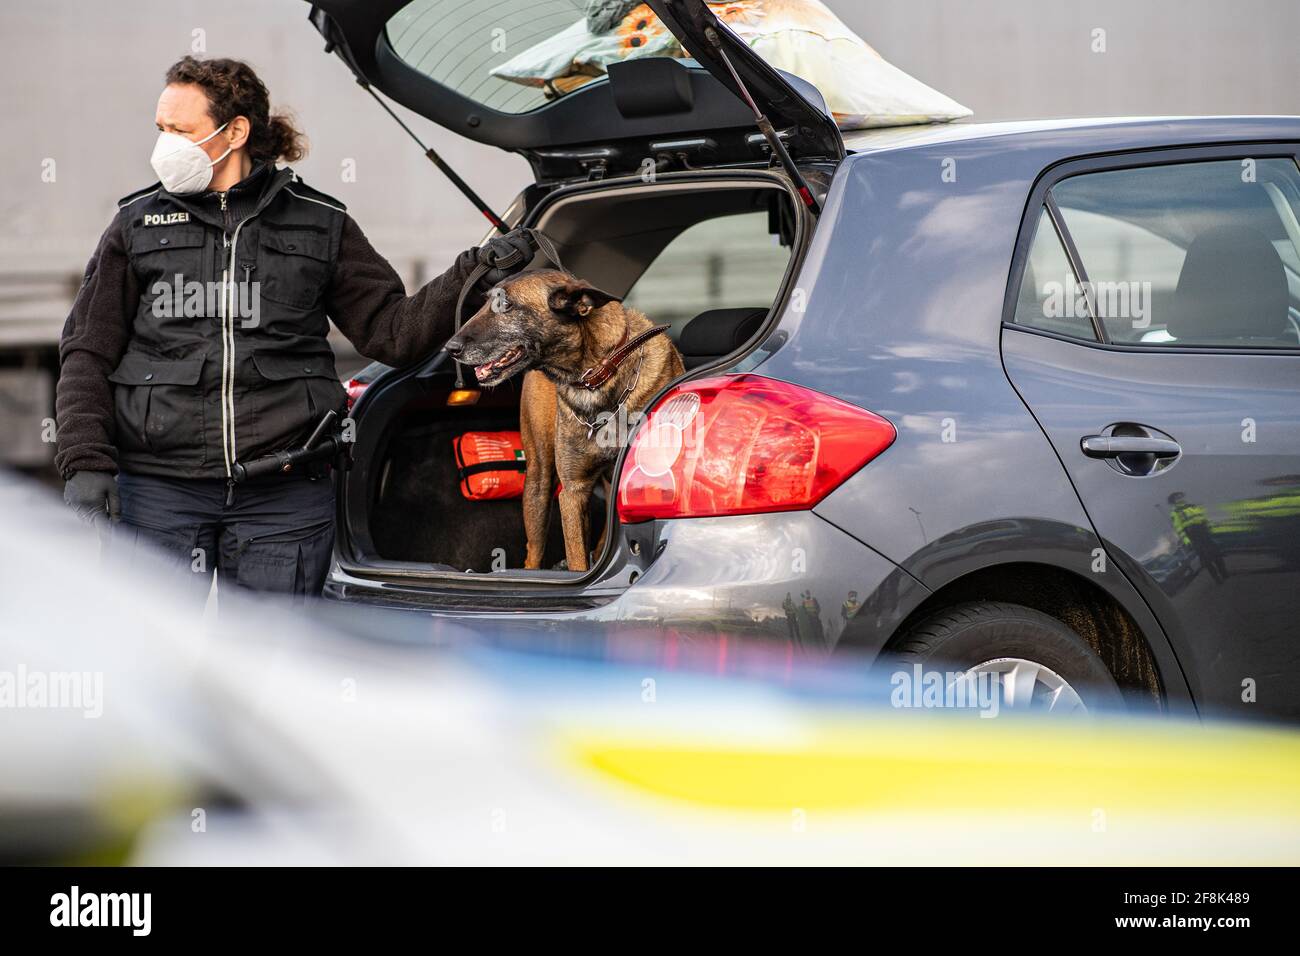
{"x":136,"y":730}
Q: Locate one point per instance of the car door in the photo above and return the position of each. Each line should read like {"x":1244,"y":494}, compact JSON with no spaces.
{"x":1152,"y":329}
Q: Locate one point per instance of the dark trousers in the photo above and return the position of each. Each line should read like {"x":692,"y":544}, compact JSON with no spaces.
{"x":277,"y":535}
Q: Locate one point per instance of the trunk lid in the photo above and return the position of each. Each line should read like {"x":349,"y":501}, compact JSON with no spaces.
{"x":503,"y":74}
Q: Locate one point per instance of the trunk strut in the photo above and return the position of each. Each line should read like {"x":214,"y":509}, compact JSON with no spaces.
{"x":331,"y":46}
{"x":765,"y":127}
{"x":441,"y":163}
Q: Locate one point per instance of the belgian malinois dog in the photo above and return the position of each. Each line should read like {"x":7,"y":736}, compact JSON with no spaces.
{"x":591,"y":365}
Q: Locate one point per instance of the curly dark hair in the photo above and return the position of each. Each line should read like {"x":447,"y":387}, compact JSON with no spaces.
{"x":234,"y":89}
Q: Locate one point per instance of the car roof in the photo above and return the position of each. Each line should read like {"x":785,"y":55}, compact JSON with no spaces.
{"x":1122,"y":132}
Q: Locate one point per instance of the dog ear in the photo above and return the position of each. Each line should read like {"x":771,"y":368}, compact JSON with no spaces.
{"x":577,"y":299}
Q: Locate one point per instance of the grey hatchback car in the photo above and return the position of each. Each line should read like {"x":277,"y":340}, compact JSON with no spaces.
{"x":1021,"y":398}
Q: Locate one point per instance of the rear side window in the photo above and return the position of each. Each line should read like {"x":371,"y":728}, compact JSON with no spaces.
{"x":1195,"y":254}
{"x":1050,"y":296}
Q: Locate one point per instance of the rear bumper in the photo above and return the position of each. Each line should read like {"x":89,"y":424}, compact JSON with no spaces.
{"x":792,"y":577}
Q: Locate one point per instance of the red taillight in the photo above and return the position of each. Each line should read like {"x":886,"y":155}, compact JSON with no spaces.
{"x":744,"y":444}
{"x":354,"y":390}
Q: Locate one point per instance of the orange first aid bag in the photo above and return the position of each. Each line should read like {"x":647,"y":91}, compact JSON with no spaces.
{"x":491,"y":465}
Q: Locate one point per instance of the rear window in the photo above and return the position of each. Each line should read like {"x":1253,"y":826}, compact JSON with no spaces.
{"x":515,"y":56}
{"x":1196,"y":254}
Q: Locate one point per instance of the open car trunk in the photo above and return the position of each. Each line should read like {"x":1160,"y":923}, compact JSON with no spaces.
{"x":709,"y":254}
{"x":420,"y":514}
{"x":672,"y":167}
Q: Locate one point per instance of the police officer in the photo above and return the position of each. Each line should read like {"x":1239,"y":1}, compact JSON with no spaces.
{"x":197,"y":339}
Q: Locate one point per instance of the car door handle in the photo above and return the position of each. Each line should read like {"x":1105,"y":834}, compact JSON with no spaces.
{"x":1112,"y":446}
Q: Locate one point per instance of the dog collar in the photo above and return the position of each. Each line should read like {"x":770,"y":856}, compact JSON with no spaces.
{"x":602,"y":371}
{"x":596,"y":422}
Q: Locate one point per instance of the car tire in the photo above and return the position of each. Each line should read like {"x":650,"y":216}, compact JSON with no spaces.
{"x":994,"y":635}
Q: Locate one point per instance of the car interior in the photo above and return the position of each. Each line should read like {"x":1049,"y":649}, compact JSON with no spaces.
{"x":708,"y":259}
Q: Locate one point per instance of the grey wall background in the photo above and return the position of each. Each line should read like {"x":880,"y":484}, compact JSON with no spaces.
{"x":80,"y":79}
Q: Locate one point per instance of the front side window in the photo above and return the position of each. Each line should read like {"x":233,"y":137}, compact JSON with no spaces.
{"x":1191,"y":254}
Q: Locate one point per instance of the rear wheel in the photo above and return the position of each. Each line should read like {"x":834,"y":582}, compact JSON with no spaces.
{"x":1037,"y":662}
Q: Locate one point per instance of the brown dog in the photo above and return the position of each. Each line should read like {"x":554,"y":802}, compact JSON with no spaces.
{"x":592,"y":366}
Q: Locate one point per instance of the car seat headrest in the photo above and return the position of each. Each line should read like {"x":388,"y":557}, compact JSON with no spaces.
{"x":1232,"y":286}
{"x":719,"y":331}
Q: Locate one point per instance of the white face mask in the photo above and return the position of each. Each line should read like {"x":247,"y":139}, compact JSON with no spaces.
{"x":182,"y":165}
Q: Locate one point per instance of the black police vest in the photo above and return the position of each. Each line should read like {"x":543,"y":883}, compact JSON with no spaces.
{"x":227,"y":359}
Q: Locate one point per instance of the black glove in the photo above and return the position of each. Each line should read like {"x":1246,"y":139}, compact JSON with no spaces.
{"x":92,"y":494}
{"x":506,"y":255}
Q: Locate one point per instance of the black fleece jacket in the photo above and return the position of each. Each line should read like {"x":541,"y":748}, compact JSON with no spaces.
{"x":365,"y":298}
